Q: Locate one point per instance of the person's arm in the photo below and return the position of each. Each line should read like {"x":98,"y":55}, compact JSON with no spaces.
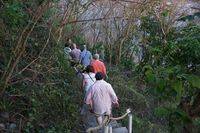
{"x":80,"y":58}
{"x":83,"y":82}
{"x":113,"y":95}
{"x":88,"y":99}
{"x":104,"y":68}
{"x":90,"y":58}
{"x":71,"y":54}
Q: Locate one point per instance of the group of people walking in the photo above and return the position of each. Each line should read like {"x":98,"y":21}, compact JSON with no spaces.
{"x":99,"y":95}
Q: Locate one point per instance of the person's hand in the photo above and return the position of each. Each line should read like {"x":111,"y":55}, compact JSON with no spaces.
{"x":91,"y":110}
{"x":116,"y":105}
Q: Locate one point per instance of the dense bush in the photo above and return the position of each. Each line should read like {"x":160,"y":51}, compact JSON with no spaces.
{"x":172,"y":75}
{"x":41,"y":93}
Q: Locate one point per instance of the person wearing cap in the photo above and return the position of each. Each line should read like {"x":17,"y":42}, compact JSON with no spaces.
{"x":101,"y":97}
{"x":85,"y":57}
{"x":98,"y":65}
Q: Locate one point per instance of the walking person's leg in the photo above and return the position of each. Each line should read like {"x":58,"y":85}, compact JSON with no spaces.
{"x":99,"y":120}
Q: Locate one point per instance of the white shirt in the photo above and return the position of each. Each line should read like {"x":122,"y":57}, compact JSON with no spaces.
{"x":88,"y":79}
{"x":101,"y":96}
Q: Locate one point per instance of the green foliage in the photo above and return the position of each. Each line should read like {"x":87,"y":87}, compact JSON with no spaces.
{"x":197,"y":124}
{"x":162,"y":112}
{"x":193,"y":80}
{"x":129,"y":97}
{"x":178,"y":87}
{"x":171,"y":70}
{"x":170,"y":112}
{"x":48,"y":107}
{"x":141,"y":125}
{"x":126,"y":91}
{"x":52,"y":107}
{"x":80,"y":40}
{"x":152,"y":30}
{"x":184,"y":49}
{"x":43,"y":92}
{"x":128,"y":63}
{"x":13,"y":14}
{"x":97,"y":47}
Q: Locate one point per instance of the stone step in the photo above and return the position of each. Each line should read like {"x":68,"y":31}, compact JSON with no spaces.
{"x":114,"y":124}
{"x":89,"y":120}
{"x":120,"y":130}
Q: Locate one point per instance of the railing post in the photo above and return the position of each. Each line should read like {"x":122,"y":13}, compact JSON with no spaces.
{"x":110,"y":129}
{"x":130,"y":118}
{"x":106,"y":128}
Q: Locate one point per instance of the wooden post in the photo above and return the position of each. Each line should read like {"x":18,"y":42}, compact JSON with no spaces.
{"x":130,"y":118}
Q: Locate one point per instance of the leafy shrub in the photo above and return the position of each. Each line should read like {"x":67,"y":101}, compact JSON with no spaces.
{"x":171,"y":72}
{"x":43,"y":92}
{"x":14,"y":15}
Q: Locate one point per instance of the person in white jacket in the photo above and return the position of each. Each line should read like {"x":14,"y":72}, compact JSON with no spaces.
{"x":100,"y":97}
